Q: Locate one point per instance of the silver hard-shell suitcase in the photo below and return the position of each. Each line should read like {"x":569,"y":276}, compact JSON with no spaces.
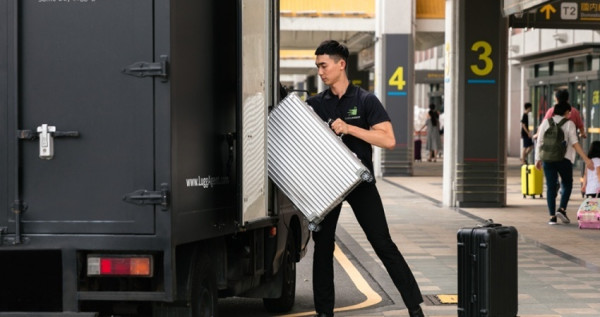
{"x":308,"y":162}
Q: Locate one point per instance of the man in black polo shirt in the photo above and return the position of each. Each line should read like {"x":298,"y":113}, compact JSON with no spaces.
{"x":360,"y":117}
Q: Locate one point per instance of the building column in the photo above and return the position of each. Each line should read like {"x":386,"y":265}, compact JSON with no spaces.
{"x":394,"y":82}
{"x":475,"y":96}
{"x":357,"y":77}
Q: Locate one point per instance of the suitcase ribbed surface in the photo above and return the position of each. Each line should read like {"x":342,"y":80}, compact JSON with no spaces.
{"x":307,"y":161}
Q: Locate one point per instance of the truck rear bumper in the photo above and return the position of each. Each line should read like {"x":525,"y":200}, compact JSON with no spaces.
{"x":55,"y":281}
{"x":42,"y":314}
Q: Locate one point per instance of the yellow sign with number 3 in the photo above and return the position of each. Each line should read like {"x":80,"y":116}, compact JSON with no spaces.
{"x":483,"y":56}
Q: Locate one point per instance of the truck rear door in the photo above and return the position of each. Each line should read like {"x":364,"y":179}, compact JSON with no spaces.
{"x":67,"y":88}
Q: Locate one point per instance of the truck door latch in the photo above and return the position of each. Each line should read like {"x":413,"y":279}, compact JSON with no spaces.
{"x":146,"y":197}
{"x":145,"y":69}
{"x":46,"y":134}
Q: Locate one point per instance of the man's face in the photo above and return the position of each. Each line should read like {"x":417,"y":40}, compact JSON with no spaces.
{"x":330,"y":71}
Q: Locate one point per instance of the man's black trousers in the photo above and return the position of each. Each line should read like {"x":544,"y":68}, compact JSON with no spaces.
{"x":368,"y":209}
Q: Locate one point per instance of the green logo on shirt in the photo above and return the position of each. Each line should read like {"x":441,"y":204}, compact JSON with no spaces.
{"x":353,"y":111}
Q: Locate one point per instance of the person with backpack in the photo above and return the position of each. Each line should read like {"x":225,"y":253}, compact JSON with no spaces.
{"x":555,"y":150}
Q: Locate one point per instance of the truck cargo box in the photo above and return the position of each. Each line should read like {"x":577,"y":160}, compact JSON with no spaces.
{"x":133,"y":127}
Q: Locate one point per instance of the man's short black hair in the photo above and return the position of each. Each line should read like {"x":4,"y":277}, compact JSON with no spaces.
{"x":334,"y":49}
{"x":528,"y":105}
{"x":562,"y":95}
{"x":561,"y":108}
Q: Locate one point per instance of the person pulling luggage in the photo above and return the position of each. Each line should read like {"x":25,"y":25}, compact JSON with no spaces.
{"x":555,"y":150}
{"x":360,"y":117}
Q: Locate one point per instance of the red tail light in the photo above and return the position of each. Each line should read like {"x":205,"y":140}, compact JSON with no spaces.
{"x":126,"y":265}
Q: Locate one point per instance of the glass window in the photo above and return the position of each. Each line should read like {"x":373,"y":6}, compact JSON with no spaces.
{"x":530,"y":72}
{"x":561,"y":67}
{"x":542,"y":70}
{"x":579,"y":64}
{"x":595,"y":63}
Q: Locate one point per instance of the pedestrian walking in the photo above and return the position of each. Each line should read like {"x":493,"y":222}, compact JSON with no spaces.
{"x":591,"y":178}
{"x":555,"y":150}
{"x":525,"y":133}
{"x":434,"y":140}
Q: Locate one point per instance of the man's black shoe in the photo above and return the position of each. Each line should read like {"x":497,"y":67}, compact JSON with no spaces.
{"x":418,"y":312}
{"x":323,"y":315}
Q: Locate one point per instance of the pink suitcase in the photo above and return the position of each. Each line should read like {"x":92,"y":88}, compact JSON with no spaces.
{"x":588,"y":214}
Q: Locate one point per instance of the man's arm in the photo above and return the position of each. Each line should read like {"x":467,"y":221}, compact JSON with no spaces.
{"x":381,"y":134}
{"x":588,"y":163}
{"x":576,"y":118}
{"x":538,"y":145}
{"x":526,"y":129}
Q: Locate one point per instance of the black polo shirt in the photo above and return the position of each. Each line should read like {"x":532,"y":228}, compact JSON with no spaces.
{"x":357,"y":107}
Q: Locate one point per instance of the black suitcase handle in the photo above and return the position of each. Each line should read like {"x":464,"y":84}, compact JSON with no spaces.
{"x":489,"y":223}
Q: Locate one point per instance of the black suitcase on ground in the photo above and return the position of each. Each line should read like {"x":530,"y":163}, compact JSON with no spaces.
{"x":487,"y":271}
{"x":418,"y":143}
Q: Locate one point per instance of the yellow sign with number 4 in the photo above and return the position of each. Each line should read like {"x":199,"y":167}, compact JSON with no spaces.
{"x":397,"y":78}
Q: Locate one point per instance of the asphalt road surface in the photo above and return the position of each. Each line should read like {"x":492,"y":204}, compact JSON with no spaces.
{"x":355,"y":290}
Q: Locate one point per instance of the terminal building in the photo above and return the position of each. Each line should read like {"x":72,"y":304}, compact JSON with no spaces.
{"x":547,"y":47}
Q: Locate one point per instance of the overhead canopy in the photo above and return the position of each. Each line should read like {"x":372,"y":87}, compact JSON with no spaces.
{"x":515,"y":6}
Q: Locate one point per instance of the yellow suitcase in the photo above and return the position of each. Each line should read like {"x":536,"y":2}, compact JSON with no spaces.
{"x":532,"y":181}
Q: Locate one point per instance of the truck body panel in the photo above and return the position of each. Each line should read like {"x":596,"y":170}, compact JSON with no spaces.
{"x":68,"y":77}
{"x":138,"y":128}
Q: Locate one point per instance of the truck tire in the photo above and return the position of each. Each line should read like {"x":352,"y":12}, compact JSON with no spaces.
{"x":204,"y":289}
{"x":288,"y":282}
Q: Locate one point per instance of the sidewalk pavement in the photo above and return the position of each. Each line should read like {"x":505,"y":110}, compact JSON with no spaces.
{"x":559,"y":266}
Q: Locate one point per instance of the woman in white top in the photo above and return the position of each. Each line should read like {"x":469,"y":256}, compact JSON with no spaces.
{"x":591,"y":179}
{"x":563,"y":168}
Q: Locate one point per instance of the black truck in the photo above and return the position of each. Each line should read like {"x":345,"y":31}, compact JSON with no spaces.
{"x":133,"y":176}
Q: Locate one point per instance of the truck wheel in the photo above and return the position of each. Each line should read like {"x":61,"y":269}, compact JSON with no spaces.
{"x":288,"y":281}
{"x":204,"y":290}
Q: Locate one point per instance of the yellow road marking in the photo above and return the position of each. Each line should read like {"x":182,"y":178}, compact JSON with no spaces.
{"x":359,"y":281}
{"x":448,"y":299}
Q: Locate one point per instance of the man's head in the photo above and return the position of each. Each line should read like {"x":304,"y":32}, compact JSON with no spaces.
{"x":331,"y":60}
{"x":527,"y":106}
{"x":562,"y":96}
{"x":562,"y":109}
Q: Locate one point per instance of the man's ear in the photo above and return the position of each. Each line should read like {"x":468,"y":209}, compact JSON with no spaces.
{"x":343,"y":64}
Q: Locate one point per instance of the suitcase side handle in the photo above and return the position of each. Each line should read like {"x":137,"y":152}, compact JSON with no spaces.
{"x":489,"y":223}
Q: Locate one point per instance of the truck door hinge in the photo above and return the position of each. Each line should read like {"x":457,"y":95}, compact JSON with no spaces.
{"x":146,"y":69}
{"x":146,"y":197}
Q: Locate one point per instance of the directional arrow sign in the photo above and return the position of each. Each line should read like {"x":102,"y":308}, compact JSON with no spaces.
{"x":548,"y":9}
{"x":573,"y":14}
